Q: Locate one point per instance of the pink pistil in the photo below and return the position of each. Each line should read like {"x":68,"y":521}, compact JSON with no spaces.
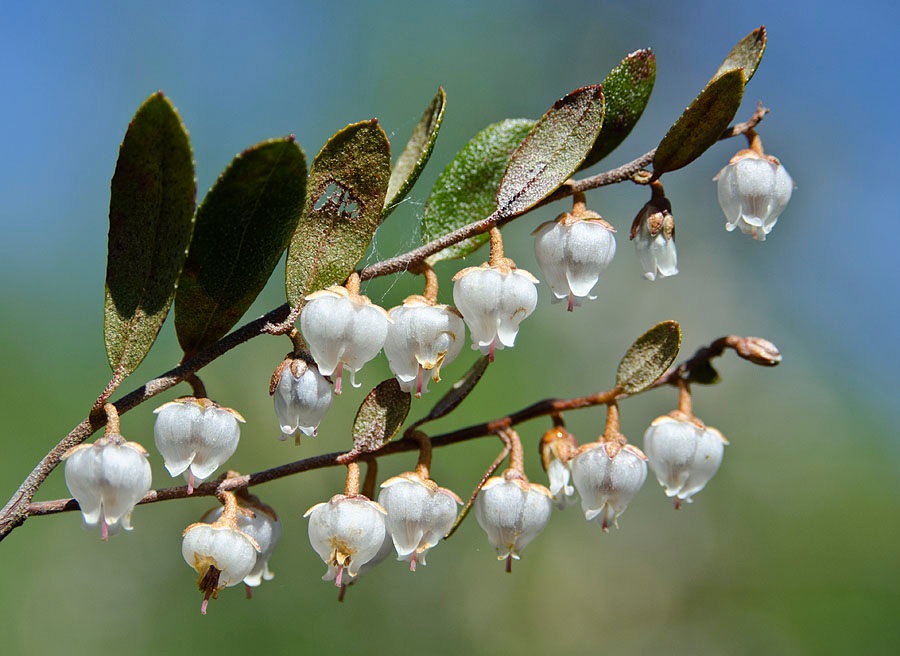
{"x":337,"y":378}
{"x":205,"y":603}
{"x":677,"y":503}
{"x":571,"y":301}
{"x":342,"y":593}
{"x":190,"y":489}
{"x":509,"y":564}
{"x":249,"y":591}
{"x":104,"y":530}
{"x":491,"y":352}
{"x":412,"y":562}
{"x":419,"y":383}
{"x":340,"y":573}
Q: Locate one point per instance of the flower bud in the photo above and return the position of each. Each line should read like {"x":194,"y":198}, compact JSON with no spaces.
{"x":683,"y":455}
{"x":107,"y":479}
{"x":753,"y":191}
{"x":346,"y":532}
{"x":558,"y":447}
{"x":512,"y":512}
{"x":419,"y":514}
{"x":607,"y":475}
{"x":342,"y":329}
{"x":195,"y":437}
{"x":422,"y":338}
{"x":302,"y":397}
{"x":493,"y":301}
{"x":573,"y":251}
{"x":654,"y":233}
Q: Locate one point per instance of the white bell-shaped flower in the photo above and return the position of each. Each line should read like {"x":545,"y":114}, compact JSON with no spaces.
{"x":573,"y":252}
{"x":342,"y":329}
{"x":302,"y":397}
{"x":558,"y":447}
{"x":753,"y":191}
{"x":422,"y":338}
{"x":493,"y":301}
{"x":262,"y":524}
{"x":653,"y":232}
{"x":419,"y":514}
{"x":195,"y":437}
{"x":108,"y":478}
{"x":346,"y":532}
{"x":512,"y":512}
{"x":683,"y":455}
{"x":223,"y":556}
{"x":607,"y":476}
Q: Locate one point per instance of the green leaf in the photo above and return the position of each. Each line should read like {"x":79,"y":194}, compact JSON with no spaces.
{"x":626,"y":90}
{"x":552,"y":151}
{"x":243,"y":227}
{"x":380,"y":416}
{"x":649,"y":357}
{"x":704,"y":374}
{"x":746,"y":54}
{"x":416,"y":154}
{"x":466,"y":190}
{"x":701,"y":124}
{"x":344,"y":200}
{"x":458,"y":392}
{"x":151,"y":214}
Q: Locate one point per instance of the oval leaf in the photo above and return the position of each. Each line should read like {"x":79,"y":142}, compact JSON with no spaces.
{"x":466,"y":190}
{"x":705,"y":374}
{"x":701,"y":124}
{"x":151,"y":214}
{"x":243,"y":227}
{"x":416,"y":154}
{"x":649,"y":357}
{"x":553,"y":151}
{"x":344,"y":200}
{"x":380,"y":416}
{"x":626,"y":91}
{"x":746,"y":54}
{"x":458,"y":392}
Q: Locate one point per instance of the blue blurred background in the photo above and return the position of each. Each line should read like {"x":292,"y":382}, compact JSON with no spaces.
{"x":793,"y":548}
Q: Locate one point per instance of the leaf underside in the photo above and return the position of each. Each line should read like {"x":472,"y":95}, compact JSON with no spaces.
{"x":552,"y":151}
{"x":380,"y":416}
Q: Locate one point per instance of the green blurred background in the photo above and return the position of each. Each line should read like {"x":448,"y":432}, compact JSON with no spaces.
{"x":793,"y":548}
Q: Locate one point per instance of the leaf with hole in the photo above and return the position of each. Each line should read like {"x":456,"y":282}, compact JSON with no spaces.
{"x":552,"y":151}
{"x":416,"y":154}
{"x":701,"y":124}
{"x":466,"y":191}
{"x":380,"y":416}
{"x":649,"y":357}
{"x":344,"y":200}
{"x":626,"y":91}
{"x":243,"y":227}
{"x":151,"y":214}
{"x":458,"y":392}
{"x":746,"y":54}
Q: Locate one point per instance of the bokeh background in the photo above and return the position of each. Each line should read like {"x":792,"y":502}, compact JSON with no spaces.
{"x":792,"y":549}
